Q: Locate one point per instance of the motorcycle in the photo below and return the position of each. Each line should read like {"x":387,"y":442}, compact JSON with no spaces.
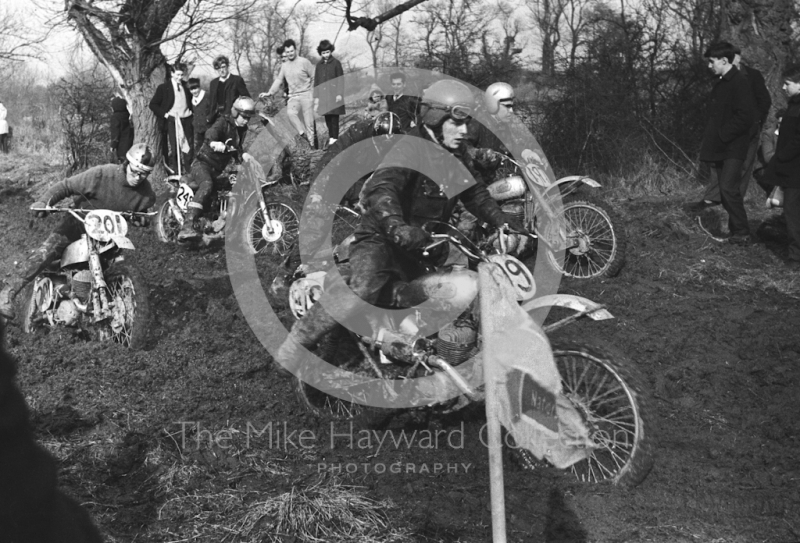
{"x":593,"y":241}
{"x":269,"y":226}
{"x":599,"y":387}
{"x":91,"y":287}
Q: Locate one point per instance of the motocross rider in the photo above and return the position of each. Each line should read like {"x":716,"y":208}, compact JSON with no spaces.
{"x":397,"y":201}
{"x":223,"y":143}
{"x":381,"y":130}
{"x":111,"y":186}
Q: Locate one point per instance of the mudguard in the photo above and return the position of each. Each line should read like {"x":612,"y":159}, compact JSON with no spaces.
{"x":76,"y":252}
{"x":581,"y":178}
{"x":575,"y":303}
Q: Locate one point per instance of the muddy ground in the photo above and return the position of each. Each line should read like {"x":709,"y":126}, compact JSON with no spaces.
{"x":713,"y":329}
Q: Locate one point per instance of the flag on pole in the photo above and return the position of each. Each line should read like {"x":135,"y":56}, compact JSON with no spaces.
{"x":523,"y":389}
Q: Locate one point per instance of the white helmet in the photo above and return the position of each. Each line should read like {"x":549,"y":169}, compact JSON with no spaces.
{"x":495,"y":93}
{"x":140,"y":158}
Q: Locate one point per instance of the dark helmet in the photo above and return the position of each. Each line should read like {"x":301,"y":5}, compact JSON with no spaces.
{"x":244,"y":106}
{"x":140,"y":158}
{"x":386,"y":124}
{"x":446,"y":99}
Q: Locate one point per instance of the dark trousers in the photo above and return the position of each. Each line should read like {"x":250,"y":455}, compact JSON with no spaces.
{"x":199,"y":138}
{"x":201,"y":181}
{"x":729,"y":174}
{"x":172,"y":145}
{"x":332,"y":122}
{"x":791,"y":209}
{"x":712,"y":193}
{"x":4,"y":143}
{"x":375,"y":268}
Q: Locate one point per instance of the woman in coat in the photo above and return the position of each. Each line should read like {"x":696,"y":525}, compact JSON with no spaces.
{"x":329,"y":89}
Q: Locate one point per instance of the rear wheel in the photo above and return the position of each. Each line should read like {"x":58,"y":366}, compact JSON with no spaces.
{"x":332,"y":408}
{"x":595,"y":243}
{"x":130,"y":308}
{"x":273,"y":237}
{"x":166,"y":225}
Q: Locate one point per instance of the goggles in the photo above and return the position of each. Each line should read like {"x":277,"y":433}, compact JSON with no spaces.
{"x":457,"y":112}
{"x":507,"y":103}
{"x":246,"y":114}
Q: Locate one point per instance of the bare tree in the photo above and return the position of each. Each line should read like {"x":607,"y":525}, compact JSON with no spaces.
{"x":547,"y":15}
{"x":18,"y":41}
{"x":303,"y":17}
{"x":127,"y":38}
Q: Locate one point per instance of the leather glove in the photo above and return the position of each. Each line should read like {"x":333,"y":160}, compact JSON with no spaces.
{"x":39,"y":214}
{"x":516,"y":226}
{"x":410,"y":238}
{"x":217,"y":146}
{"x":141,"y":221}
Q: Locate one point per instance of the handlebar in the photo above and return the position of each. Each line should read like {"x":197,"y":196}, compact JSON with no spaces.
{"x":78,"y":212}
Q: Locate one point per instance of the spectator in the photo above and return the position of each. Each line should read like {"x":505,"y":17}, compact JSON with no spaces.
{"x":784,"y":168}
{"x":201,"y":108}
{"x":766,"y":151}
{"x":329,"y":99}
{"x":121,"y":128}
{"x":401,"y":104}
{"x":299,"y":74}
{"x":224,"y":90}
{"x":281,"y":59}
{"x":727,"y":134}
{"x":763,"y":103}
{"x":376,"y":103}
{"x":172,"y":105}
{"x":32,"y":507}
{"x":3,"y":128}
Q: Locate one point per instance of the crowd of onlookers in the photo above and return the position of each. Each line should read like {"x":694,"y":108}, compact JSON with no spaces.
{"x":733,"y":141}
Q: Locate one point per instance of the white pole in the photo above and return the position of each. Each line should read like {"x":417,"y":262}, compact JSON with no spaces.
{"x":177,"y":146}
{"x":494,"y":438}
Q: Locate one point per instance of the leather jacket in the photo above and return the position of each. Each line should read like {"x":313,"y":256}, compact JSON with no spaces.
{"x":404,"y":188}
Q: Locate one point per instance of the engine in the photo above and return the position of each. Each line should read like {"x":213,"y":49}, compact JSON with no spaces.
{"x":457,"y":341}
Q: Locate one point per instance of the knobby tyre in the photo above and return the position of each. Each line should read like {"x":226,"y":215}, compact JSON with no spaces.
{"x":331,"y":408}
{"x":277,"y":240}
{"x":130,"y":320}
{"x":166,"y":225}
{"x":607,"y":391}
{"x":595,"y":242}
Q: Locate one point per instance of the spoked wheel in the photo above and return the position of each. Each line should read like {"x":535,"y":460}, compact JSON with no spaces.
{"x":273,"y":237}
{"x":332,"y":408}
{"x":166,"y":225}
{"x":130,"y":309}
{"x":595,"y":245}
{"x":606,"y":393}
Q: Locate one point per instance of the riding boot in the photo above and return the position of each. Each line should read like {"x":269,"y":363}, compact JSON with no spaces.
{"x":306,"y":334}
{"x":188,"y":231}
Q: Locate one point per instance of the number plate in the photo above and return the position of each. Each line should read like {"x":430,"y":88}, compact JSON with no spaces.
{"x":104,"y":225}
{"x":520,"y":276}
{"x":184,"y":196}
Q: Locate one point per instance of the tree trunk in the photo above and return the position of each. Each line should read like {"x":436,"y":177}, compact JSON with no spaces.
{"x":762,"y":29}
{"x":144,"y":121}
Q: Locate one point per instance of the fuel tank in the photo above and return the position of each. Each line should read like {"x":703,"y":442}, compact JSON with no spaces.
{"x":75,"y":253}
{"x":445,"y":290}
{"x":507,"y":188}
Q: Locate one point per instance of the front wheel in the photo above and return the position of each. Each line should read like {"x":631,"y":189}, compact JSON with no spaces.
{"x":605,"y":390}
{"x":130,"y":308}
{"x":595,"y":243}
{"x":274,"y":236}
{"x":166,"y":224}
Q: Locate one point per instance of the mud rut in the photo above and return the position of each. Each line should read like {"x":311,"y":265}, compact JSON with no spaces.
{"x":723,"y":365}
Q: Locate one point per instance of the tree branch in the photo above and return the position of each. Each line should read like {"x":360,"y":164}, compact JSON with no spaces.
{"x":371,"y":23}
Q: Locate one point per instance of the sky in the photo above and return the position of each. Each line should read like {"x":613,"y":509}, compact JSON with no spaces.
{"x":59,"y":49}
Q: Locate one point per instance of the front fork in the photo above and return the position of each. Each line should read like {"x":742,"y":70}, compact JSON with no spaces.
{"x":100,"y":301}
{"x":262,"y":204}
